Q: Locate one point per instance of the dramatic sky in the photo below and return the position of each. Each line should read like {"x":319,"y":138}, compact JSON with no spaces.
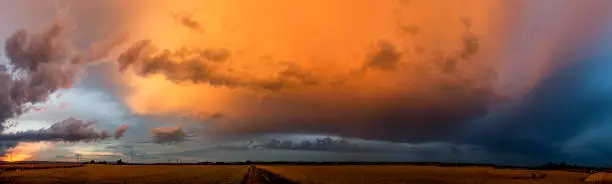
{"x":510,"y":82}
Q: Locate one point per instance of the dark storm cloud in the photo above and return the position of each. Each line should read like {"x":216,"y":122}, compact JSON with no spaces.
{"x":40,"y":64}
{"x":319,"y":144}
{"x":5,"y":145}
{"x":559,"y":108}
{"x":343,"y":147}
{"x":386,"y":57}
{"x":404,"y":119}
{"x":69,"y":130}
{"x":168,"y":135}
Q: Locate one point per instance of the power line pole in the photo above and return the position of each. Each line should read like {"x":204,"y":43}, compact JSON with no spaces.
{"x":78,"y":157}
{"x":131,"y":154}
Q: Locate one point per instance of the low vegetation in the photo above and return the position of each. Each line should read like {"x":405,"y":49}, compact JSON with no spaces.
{"x":23,"y":166}
{"x":422,"y":174}
{"x":129,"y":174}
{"x":281,"y":174}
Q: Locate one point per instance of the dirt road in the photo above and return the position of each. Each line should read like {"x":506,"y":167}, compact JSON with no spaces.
{"x":261,"y":176}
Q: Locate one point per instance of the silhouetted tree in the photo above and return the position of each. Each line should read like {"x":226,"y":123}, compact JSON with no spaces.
{"x":120,"y":162}
{"x":550,"y":165}
{"x":92,"y":162}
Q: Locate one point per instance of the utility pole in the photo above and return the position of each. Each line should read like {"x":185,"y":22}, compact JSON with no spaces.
{"x":131,"y":154}
{"x":78,"y":157}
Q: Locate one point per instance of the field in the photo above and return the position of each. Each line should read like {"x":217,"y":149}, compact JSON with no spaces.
{"x":129,"y":174}
{"x":421,"y":174}
{"x":357,"y":174}
{"x":8,"y":167}
{"x":600,"y":178}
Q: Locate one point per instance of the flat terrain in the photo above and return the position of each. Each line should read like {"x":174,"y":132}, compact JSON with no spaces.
{"x":261,"y":176}
{"x":287,"y":174}
{"x":421,"y":174}
{"x":129,"y":174}
{"x":21,"y":166}
{"x":600,"y":178}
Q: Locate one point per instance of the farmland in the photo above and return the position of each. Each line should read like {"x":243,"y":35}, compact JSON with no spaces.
{"x":275,"y":174}
{"x":421,"y":174}
{"x":129,"y":174}
{"x":23,"y":166}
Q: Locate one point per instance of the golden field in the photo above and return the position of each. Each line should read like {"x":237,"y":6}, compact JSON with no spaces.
{"x":421,"y":174}
{"x":600,"y":178}
{"x":129,"y":174}
{"x":358,"y":174}
{"x":21,"y":166}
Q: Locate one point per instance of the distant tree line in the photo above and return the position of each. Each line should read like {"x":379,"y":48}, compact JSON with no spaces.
{"x":564,"y":166}
{"x":118,"y":162}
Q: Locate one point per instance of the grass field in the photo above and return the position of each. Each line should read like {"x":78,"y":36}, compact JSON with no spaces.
{"x":600,"y":178}
{"x":421,"y":174}
{"x":364,"y":174}
{"x":129,"y":174}
{"x":20,"y":166}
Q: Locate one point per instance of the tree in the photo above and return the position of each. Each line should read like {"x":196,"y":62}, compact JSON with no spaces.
{"x":119,"y":162}
{"x":92,"y":162}
{"x":550,"y":165}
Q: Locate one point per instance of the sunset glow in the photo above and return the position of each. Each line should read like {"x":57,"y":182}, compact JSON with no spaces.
{"x":24,"y":151}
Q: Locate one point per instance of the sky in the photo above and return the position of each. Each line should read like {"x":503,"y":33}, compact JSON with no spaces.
{"x":488,"y":81}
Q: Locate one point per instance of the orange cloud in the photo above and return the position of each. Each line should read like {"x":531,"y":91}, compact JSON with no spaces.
{"x":346,"y":67}
{"x":325,"y":56}
{"x":331,"y":39}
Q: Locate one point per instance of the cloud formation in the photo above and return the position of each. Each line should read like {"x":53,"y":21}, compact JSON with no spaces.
{"x":168,"y":135}
{"x":187,"y":20}
{"x":396,"y":94}
{"x":289,"y":67}
{"x":120,"y":131}
{"x":557,"y":109}
{"x":69,"y":130}
{"x":386,"y":58}
{"x":320,"y":144}
{"x":40,"y":64}
{"x":207,"y":66}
